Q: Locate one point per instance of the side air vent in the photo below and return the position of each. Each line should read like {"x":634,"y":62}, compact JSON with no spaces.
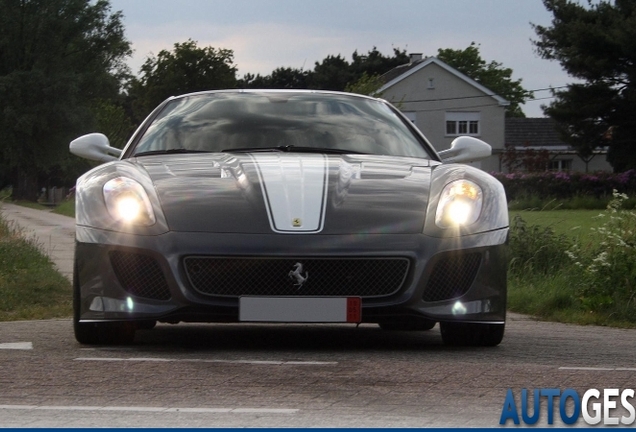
{"x":452,"y":277}
{"x":140,"y":275}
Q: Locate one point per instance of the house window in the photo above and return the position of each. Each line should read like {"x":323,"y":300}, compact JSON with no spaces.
{"x":463,"y":123}
{"x":410,"y":115}
{"x":560,"y":165}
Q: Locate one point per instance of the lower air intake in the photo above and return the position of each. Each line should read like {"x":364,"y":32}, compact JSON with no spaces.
{"x":140,"y":275}
{"x":452,"y":277}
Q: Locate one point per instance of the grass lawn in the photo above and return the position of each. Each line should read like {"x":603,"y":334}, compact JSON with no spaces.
{"x":66,"y":208}
{"x":561,"y":295}
{"x":576,"y":224}
{"x":30,"y":286}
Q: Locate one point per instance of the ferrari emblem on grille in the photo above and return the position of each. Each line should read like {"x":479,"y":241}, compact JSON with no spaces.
{"x":297,"y":222}
{"x":297,"y":275}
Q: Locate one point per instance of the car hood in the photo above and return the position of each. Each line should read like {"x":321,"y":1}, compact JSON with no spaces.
{"x":291,"y":193}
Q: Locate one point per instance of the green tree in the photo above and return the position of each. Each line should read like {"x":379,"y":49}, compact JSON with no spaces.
{"x":56,"y":58}
{"x":280,"y":78}
{"x":595,"y":44}
{"x":366,"y":85}
{"x":375,"y":63}
{"x":332,"y":73}
{"x":186,"y":69}
{"x":491,"y":75}
{"x":252,"y":81}
{"x":113,"y":121}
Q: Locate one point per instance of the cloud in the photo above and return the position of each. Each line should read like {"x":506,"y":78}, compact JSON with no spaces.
{"x":258,"y":48}
{"x":267,"y":34}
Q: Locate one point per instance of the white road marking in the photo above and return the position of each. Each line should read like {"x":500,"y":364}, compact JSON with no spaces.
{"x":596,"y":368}
{"x":17,"y":346}
{"x":153,"y":409}
{"x":251,"y":362}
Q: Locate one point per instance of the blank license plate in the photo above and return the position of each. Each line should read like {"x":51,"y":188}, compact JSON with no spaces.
{"x":300,"y":309}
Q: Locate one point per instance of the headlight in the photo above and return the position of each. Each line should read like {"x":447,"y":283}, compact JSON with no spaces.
{"x":128,"y":202}
{"x":459,"y":204}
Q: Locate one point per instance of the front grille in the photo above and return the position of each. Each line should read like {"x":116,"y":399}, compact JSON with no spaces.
{"x":452,"y":277}
{"x":234,"y":277}
{"x":140,"y":275}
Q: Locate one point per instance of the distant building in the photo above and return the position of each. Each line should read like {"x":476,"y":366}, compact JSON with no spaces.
{"x":540,"y":134}
{"x":444,"y":104}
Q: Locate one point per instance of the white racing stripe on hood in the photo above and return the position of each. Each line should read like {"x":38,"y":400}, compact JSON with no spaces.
{"x":294,"y":188}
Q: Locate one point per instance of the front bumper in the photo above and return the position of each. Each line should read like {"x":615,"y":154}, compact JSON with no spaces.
{"x":106,"y":295}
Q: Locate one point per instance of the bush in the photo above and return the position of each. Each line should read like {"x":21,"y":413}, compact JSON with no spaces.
{"x":561,"y":185}
{"x":536,"y":249}
{"x":589,"y":281}
{"x":607,"y":265}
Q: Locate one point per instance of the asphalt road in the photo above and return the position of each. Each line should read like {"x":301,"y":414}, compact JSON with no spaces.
{"x":223,"y":375}
{"x":299,"y":376}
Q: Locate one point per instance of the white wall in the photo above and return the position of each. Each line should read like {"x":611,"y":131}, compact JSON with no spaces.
{"x":448,"y":93}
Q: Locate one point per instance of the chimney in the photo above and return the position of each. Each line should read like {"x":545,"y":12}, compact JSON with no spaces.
{"x":415,"y":57}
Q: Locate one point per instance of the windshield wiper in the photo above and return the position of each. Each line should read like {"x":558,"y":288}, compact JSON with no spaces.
{"x":169,"y":151}
{"x":291,"y":149}
{"x":254,"y":149}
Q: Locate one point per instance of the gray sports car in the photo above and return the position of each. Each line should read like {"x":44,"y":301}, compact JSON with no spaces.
{"x":287,"y":206}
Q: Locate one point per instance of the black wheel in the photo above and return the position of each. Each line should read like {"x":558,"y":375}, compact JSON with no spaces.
{"x":115,"y":333}
{"x":407,"y":324}
{"x":118,"y":333}
{"x":460,"y":334}
{"x":146,"y":325}
{"x":85,"y":333}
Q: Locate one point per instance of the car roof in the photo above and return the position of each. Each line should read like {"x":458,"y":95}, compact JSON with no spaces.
{"x":290,"y":91}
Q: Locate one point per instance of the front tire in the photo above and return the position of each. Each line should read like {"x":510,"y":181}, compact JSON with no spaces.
{"x":86,"y":333}
{"x":146,"y":325}
{"x":462,"y":334}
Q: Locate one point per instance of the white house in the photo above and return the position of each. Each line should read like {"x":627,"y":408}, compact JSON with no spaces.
{"x":444,"y":104}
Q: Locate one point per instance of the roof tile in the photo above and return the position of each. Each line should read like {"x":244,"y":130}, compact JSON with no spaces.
{"x":532,"y":132}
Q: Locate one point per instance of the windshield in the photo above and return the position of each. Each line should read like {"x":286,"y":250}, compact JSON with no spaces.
{"x":228,"y":121}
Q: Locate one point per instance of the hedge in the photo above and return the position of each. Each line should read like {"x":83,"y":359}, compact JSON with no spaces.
{"x":565,"y":185}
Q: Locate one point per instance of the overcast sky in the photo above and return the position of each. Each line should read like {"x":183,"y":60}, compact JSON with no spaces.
{"x":266,"y":34}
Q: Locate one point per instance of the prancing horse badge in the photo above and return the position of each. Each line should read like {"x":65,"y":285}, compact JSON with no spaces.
{"x":297,"y":222}
{"x":297,"y":275}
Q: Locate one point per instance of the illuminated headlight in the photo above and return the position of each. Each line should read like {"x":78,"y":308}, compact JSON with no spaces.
{"x":459,"y":204}
{"x":128,"y":202}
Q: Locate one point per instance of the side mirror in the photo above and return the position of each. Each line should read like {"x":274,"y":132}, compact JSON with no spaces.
{"x":465,"y":149}
{"x":94,"y":146}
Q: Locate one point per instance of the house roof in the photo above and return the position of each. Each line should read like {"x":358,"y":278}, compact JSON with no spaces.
{"x":534,"y":132}
{"x":538,"y":134}
{"x":404,"y":71}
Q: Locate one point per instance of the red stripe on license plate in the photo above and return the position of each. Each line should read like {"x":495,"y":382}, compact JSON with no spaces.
{"x":354,"y":309}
